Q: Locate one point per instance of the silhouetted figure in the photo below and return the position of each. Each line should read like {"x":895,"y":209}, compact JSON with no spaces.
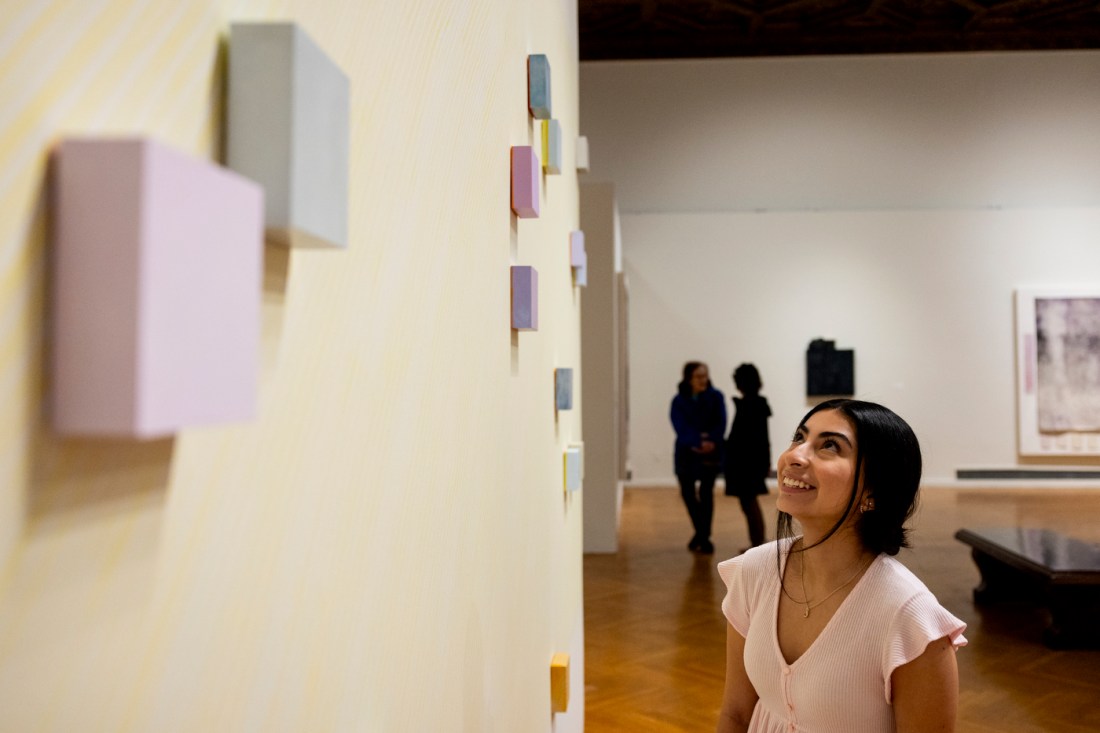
{"x":748,"y":451}
{"x":698,"y":415}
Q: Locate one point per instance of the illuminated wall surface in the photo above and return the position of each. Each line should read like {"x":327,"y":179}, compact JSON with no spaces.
{"x":327,"y":563}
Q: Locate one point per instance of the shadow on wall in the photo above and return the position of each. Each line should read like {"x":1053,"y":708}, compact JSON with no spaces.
{"x":94,"y":477}
{"x":77,"y":476}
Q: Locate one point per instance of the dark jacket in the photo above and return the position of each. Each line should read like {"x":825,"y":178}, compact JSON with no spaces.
{"x":748,"y":450}
{"x":695,"y":419}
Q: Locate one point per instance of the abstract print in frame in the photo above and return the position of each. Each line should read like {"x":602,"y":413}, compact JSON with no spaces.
{"x":1058,"y":370}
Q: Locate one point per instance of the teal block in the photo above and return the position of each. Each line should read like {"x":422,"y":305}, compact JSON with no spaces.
{"x":538,"y":86}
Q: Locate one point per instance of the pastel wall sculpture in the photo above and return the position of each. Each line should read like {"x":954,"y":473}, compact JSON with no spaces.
{"x":578,"y":257}
{"x":559,"y":682}
{"x":538,"y":86}
{"x":582,"y":154}
{"x":157,"y":271}
{"x":563,"y":388}
{"x":573,"y":463}
{"x":525,"y":182}
{"x":525,"y":298}
{"x":551,"y":146}
{"x":288,"y":128}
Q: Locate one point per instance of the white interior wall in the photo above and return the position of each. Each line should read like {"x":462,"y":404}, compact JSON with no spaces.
{"x":891,"y":203}
{"x":601,"y":386}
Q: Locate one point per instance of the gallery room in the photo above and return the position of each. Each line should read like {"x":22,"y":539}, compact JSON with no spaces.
{"x":338,"y":341}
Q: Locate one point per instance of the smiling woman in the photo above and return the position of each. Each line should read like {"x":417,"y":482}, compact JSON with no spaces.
{"x":827,"y":631}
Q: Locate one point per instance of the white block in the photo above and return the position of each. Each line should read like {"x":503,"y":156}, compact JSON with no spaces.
{"x":582,"y":154}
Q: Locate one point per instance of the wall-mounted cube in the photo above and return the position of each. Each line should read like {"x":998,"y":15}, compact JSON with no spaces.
{"x":158,"y":265}
{"x":578,"y":257}
{"x":563,"y":388}
{"x":525,"y":182}
{"x":525,"y":298}
{"x":551,"y":146}
{"x":573,"y":463}
{"x":559,"y":682}
{"x":582,"y":154}
{"x":288,"y":129}
{"x":538,"y":86}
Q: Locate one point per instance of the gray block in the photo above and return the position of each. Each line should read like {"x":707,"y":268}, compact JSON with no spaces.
{"x":288,"y":129}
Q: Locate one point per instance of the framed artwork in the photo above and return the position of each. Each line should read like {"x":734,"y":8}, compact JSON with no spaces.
{"x":1058,"y":370}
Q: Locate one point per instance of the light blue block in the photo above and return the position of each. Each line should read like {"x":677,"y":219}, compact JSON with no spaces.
{"x":563,"y":388}
{"x":551,"y":146}
{"x":572,"y":468}
{"x":538,"y":86}
{"x":288,"y":129}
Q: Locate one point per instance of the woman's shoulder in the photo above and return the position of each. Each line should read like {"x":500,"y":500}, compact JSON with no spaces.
{"x":897,"y":587}
{"x":765,"y":555}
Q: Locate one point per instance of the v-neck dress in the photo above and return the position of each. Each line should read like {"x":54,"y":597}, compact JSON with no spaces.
{"x":842,"y":681}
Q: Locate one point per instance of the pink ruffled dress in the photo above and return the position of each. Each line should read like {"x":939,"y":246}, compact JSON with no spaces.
{"x":842,"y":682}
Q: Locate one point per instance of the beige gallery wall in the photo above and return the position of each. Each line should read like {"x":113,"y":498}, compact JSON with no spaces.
{"x":387,"y":546}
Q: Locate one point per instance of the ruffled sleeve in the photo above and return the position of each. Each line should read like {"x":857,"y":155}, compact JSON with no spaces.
{"x":919,"y":622}
{"x":735,"y":605}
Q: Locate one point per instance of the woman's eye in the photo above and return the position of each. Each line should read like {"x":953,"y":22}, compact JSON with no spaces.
{"x":831,"y":444}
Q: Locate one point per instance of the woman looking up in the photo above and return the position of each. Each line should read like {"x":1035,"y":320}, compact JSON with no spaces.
{"x":698,"y":416}
{"x":827,"y":631}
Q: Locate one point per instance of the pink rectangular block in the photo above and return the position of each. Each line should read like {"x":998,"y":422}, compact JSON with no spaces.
{"x":525,"y":182}
{"x":156,"y":295}
{"x":525,"y":298}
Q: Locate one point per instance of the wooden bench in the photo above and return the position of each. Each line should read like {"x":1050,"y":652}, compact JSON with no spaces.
{"x":1040,"y":566}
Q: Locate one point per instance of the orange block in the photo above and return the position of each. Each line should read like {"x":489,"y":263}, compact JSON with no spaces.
{"x":559,"y":682}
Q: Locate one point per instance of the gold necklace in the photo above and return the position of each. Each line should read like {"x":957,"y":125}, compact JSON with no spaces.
{"x":806,"y":598}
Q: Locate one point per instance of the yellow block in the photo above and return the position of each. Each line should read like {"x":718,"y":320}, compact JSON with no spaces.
{"x":559,"y":682}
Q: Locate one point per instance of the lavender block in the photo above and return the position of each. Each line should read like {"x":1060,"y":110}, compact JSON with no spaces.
{"x":525,"y":298}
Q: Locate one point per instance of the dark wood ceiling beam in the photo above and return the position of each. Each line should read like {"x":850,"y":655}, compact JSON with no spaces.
{"x":611,"y":29}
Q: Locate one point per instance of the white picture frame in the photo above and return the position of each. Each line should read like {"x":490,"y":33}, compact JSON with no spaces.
{"x":1057,"y":374}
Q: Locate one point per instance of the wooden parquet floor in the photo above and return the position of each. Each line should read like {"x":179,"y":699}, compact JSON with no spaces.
{"x":655,"y":635}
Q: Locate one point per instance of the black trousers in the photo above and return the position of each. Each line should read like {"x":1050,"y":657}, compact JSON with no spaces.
{"x":697,"y":491}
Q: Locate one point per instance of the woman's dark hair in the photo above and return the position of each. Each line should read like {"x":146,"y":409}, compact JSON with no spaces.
{"x":889,"y":462}
{"x":684,"y":388}
{"x":747,"y":379}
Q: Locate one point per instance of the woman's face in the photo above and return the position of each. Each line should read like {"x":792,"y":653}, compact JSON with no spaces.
{"x":816,"y":471}
{"x":699,"y":379}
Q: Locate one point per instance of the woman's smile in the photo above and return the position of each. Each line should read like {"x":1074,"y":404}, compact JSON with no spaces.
{"x":794,"y":486}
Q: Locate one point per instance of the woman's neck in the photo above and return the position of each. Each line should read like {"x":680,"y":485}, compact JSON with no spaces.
{"x":833,"y":560}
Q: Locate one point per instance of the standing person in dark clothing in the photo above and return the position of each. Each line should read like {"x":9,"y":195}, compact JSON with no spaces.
{"x":748,"y":451}
{"x":699,"y":417}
